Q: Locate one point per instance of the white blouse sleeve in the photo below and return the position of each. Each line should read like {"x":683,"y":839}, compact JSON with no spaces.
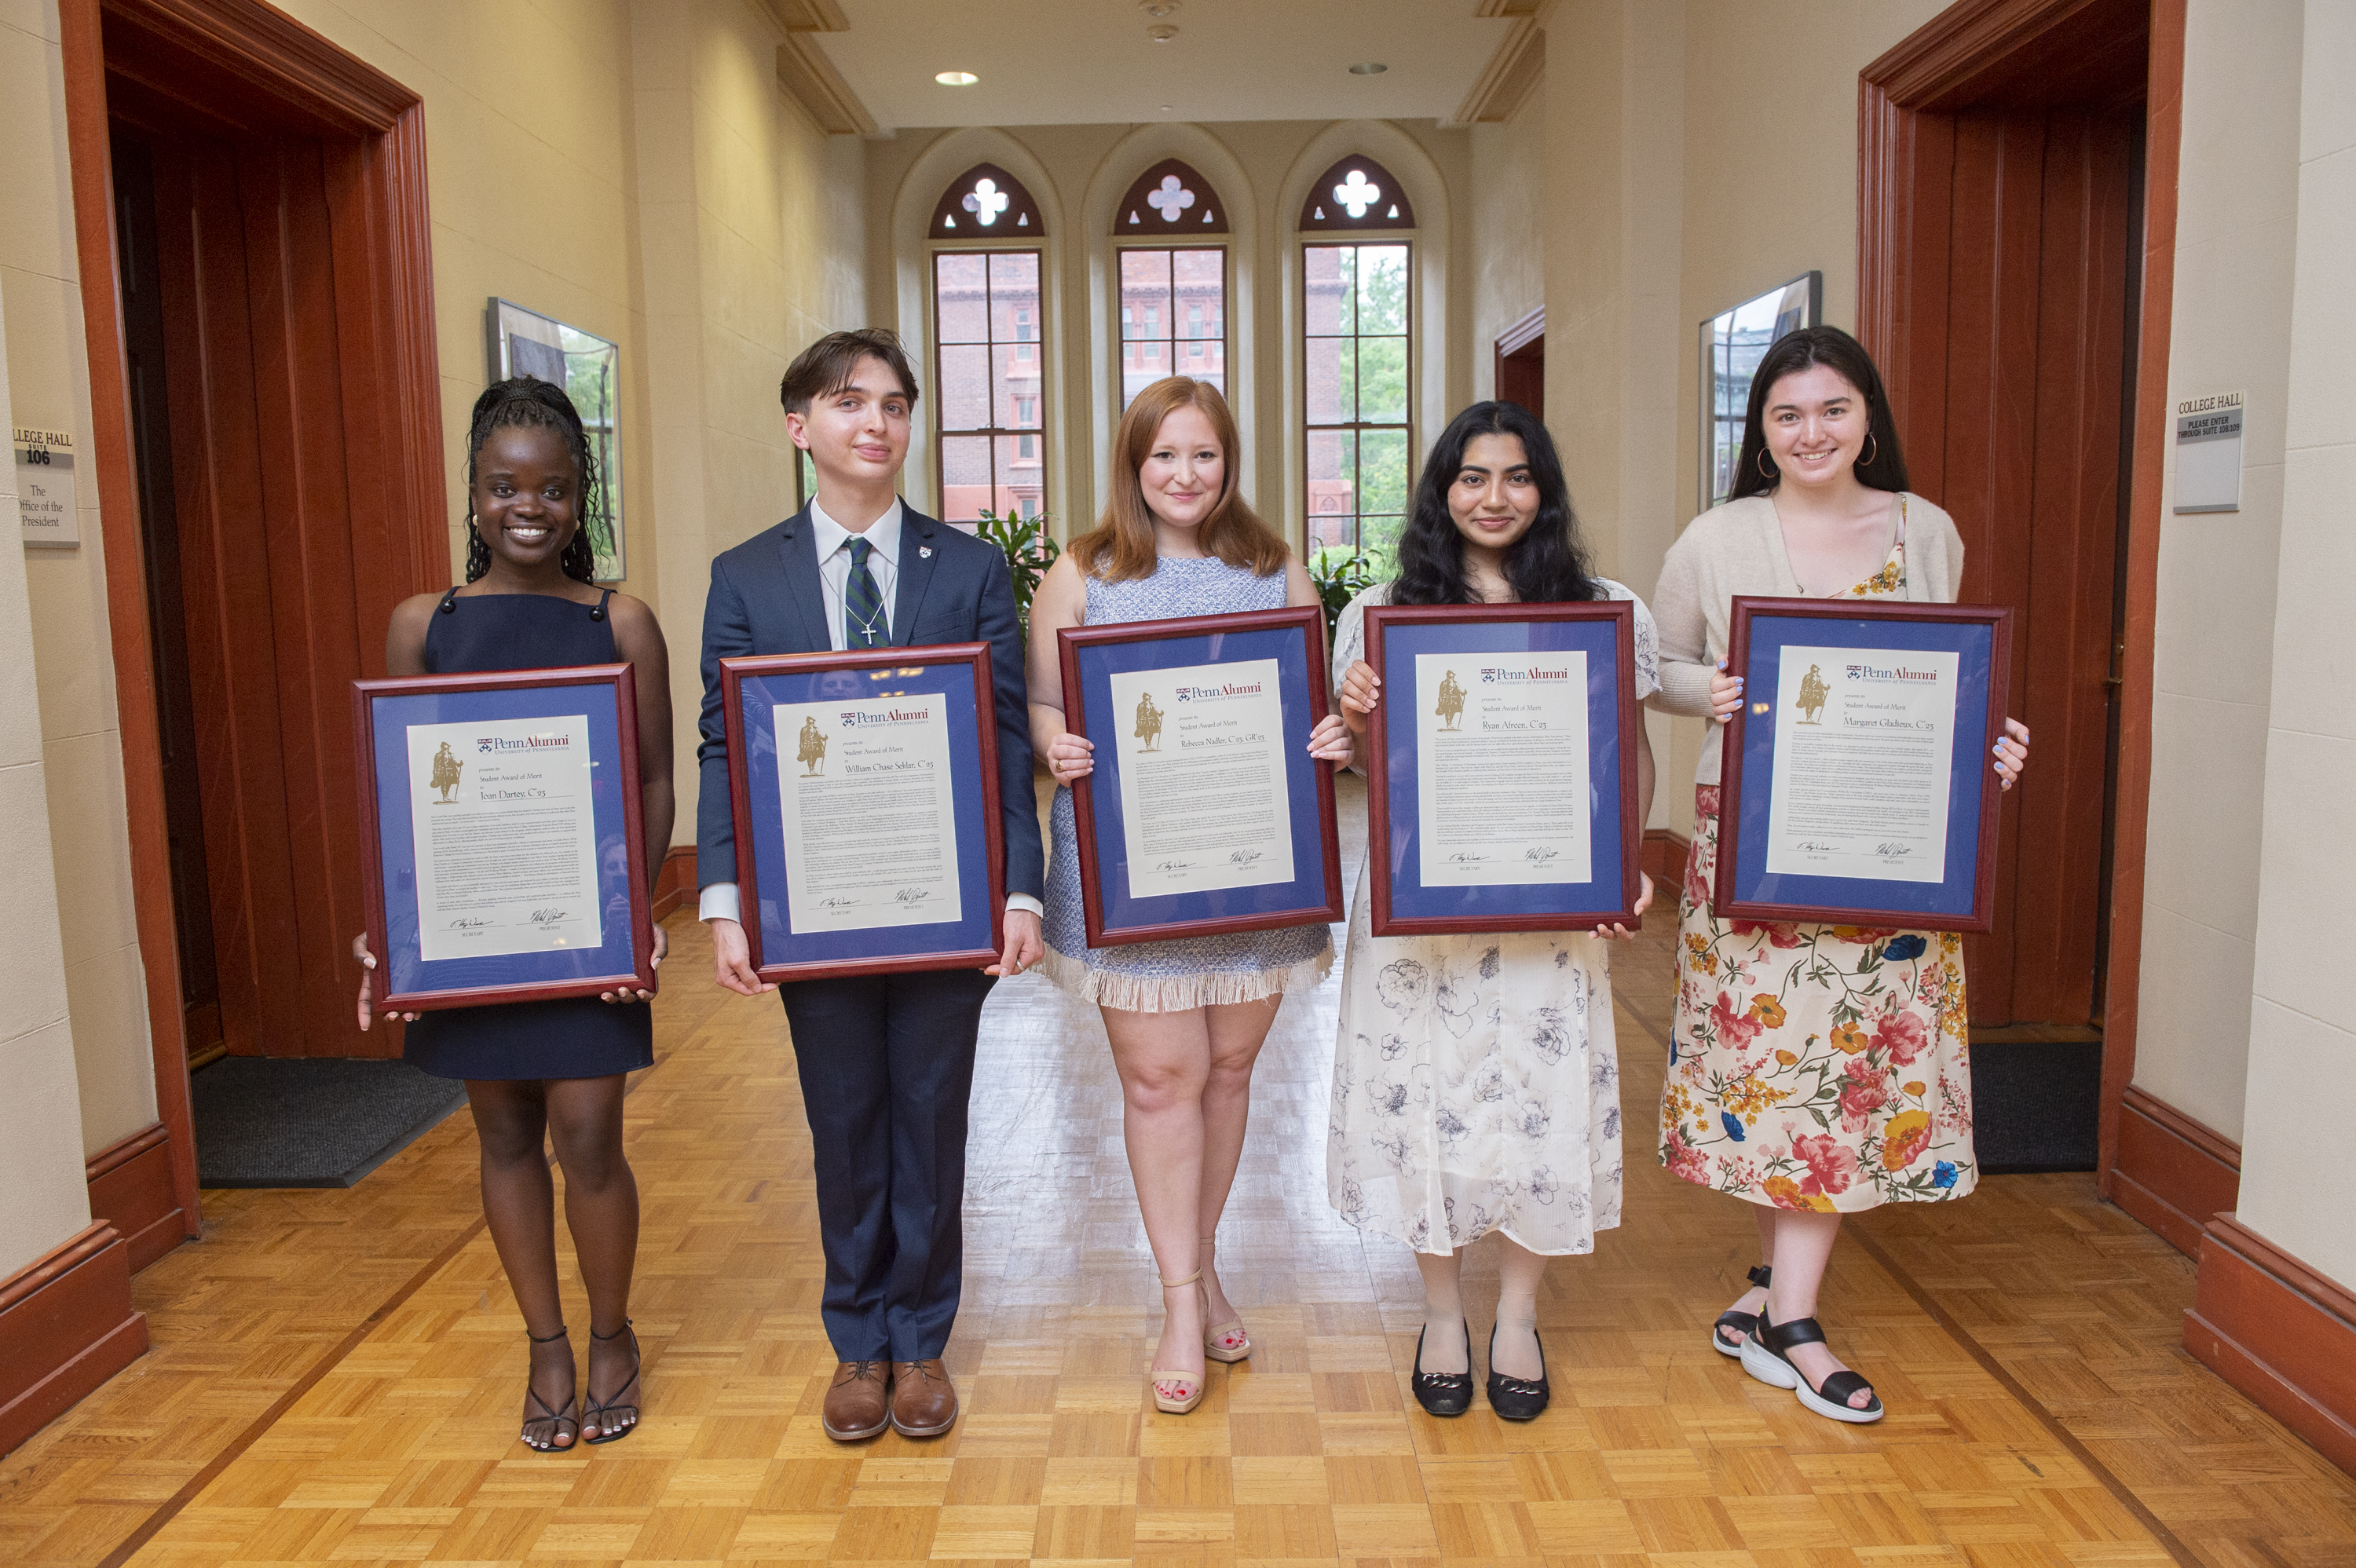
{"x":1648,"y":639}
{"x":1350,"y":632}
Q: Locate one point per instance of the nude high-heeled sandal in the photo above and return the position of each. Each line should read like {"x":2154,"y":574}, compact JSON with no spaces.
{"x":1160,"y":1375}
{"x":1214,"y":1339}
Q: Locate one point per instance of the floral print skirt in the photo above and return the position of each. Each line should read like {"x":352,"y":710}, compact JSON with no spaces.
{"x":1815,"y":1066}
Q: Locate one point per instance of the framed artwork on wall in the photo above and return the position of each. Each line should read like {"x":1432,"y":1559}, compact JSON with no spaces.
{"x":1732,"y":343}
{"x":525,"y":343}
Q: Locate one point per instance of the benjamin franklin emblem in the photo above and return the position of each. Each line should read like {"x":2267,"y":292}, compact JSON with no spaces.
{"x":1813,"y":692}
{"x":811,"y":754}
{"x":446,"y":769}
{"x":1148,"y":723}
{"x":1451,"y":700}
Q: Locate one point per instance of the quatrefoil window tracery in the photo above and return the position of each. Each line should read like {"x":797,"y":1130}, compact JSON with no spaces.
{"x":1171,"y":200}
{"x":985,"y":201}
{"x":1354,"y":194}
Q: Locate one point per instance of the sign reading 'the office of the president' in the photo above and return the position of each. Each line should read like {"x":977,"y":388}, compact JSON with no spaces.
{"x":44,"y":487}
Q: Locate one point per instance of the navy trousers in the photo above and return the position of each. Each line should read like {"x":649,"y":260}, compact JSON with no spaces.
{"x":886,"y":1066}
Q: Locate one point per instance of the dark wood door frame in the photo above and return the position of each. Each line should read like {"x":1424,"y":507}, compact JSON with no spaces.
{"x":1516,"y":340}
{"x":1962,"y":55}
{"x":295,"y":73}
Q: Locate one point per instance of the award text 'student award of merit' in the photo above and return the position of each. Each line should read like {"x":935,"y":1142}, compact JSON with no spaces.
{"x":1502,"y":769}
{"x":1855,"y":788}
{"x":1864,"y":744}
{"x":863,"y":790}
{"x":1203,"y":792}
{"x":506,"y":834}
{"x":869,"y":813}
{"x":503,"y":850}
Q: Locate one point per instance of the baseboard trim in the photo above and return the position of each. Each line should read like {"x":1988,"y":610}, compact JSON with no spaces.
{"x":2280,"y":1332}
{"x":675,"y":882}
{"x":130,"y":1189}
{"x":67,"y":1324}
{"x":1664,"y":859}
{"x":2173,"y":1172}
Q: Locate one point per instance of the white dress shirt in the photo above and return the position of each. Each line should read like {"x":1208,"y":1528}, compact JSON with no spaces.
{"x":720,"y":901}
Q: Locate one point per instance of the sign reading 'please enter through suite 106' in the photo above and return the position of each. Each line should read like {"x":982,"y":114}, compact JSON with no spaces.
{"x":2208,"y":453}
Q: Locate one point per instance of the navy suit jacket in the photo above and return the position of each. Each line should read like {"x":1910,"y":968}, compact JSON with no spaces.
{"x":766,"y":598}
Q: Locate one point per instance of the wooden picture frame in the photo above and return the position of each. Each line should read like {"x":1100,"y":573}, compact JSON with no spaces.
{"x":383,"y":713}
{"x":959,"y":673}
{"x":1402,"y":903}
{"x":1963,"y":897}
{"x":1295,"y":638}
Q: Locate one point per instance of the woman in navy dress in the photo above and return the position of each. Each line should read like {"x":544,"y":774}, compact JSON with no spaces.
{"x":540,"y":1071}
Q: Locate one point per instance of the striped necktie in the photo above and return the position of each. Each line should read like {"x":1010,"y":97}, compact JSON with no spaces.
{"x":862,"y":602}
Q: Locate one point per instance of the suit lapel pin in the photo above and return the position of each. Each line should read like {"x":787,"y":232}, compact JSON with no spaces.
{"x":925,"y":551}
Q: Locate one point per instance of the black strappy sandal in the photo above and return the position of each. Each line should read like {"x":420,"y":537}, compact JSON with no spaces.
{"x":597,"y":1413}
{"x":1442,"y":1394}
{"x":1766,"y":1356}
{"x":1517,"y":1399}
{"x":556,"y":1420}
{"x":1743,"y":1323}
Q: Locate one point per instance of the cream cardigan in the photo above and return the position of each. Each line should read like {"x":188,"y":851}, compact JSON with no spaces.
{"x":1738,"y":548}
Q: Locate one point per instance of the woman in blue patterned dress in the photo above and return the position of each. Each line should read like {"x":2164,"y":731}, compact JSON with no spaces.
{"x":1186,"y":1019}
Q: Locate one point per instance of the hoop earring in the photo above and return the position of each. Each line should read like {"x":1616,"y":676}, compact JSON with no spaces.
{"x":1765,"y":472}
{"x":1870,"y":458}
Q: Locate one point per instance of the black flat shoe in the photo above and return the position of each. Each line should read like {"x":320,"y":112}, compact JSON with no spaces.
{"x":1743,"y":1323}
{"x":1517,"y":1399}
{"x":1442,"y":1394}
{"x":1766,"y":1356}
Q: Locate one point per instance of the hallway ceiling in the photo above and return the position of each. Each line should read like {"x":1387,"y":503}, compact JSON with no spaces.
{"x":1064,"y":62}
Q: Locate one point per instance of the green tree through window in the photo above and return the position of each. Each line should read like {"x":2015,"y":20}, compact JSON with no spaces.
{"x":1359,"y":368}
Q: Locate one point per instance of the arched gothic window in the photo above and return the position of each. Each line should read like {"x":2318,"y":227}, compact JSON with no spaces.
{"x":990,"y":348}
{"x":1172,"y":302}
{"x":1357,"y":361}
{"x":987,"y":203}
{"x":1357,"y":193}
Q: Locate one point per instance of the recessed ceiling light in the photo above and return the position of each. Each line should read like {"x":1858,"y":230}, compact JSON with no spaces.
{"x":1165,"y":109}
{"x":1368,"y":68}
{"x":1162,"y":35}
{"x":966,"y":77}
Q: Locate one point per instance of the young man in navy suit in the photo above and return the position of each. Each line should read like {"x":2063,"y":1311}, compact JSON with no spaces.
{"x":886,"y":1060}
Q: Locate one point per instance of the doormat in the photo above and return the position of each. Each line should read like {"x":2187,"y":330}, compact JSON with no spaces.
{"x":310,"y":1122}
{"x":2036,"y":1105}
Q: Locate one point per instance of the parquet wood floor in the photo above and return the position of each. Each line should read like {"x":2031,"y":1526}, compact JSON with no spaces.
{"x":336,"y":1374}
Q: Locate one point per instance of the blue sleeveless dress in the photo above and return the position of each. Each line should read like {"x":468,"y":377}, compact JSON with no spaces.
{"x":577,"y":1037}
{"x":1201,"y":971}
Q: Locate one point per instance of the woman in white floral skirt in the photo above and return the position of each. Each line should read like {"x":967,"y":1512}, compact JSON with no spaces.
{"x":1476,"y":1084}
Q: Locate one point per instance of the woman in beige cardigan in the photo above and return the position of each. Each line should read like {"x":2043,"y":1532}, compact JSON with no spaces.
{"x":1815,"y":1070}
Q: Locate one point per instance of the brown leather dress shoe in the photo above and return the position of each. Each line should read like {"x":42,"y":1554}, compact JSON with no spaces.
{"x":855,"y":1401}
{"x":924,"y":1400}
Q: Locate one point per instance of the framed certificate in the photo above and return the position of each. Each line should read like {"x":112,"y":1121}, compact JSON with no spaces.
{"x":1502,"y":787}
{"x":865,"y":792}
{"x":504,"y":855}
{"x":1857,"y":775}
{"x":1205,"y":812}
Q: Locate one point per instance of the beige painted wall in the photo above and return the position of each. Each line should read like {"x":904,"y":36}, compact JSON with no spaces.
{"x":81,"y":775}
{"x":1065,"y":167}
{"x":1508,"y":227}
{"x":2236,"y":236}
{"x":2303,"y":1015}
{"x":40,"y":1116}
{"x":752,"y":227}
{"x":1697,"y":153}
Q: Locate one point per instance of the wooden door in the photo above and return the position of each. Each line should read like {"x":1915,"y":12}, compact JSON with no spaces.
{"x":262,"y":506}
{"x":2027,"y":459}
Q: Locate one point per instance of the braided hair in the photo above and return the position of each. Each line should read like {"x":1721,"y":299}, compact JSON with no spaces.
{"x":532,"y":403}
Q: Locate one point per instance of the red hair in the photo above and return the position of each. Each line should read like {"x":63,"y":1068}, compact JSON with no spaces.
{"x":1119,"y":548}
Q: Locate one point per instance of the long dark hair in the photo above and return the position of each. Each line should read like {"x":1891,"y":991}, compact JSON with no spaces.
{"x":1547,"y":565}
{"x":532,"y":403}
{"x":1756,"y":474}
